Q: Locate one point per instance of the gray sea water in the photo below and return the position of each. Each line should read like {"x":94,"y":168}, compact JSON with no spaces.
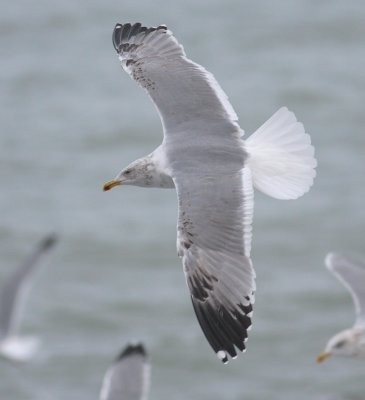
{"x":70,"y":119}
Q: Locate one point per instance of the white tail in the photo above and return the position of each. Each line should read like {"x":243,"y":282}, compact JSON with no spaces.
{"x":281,"y":157}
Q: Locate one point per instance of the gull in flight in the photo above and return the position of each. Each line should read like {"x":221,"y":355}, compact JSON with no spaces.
{"x":349,"y":342}
{"x":12,"y":292}
{"x":214,"y":171}
{"x":128,"y":377}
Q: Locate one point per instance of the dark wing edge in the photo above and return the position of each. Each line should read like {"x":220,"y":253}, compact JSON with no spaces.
{"x":224,"y":322}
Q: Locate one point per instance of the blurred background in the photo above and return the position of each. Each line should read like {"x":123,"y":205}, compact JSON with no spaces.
{"x":70,"y":119}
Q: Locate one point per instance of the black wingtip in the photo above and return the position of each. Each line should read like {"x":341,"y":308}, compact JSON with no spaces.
{"x":132,"y":349}
{"x":123,"y":32}
{"x":225,"y":330}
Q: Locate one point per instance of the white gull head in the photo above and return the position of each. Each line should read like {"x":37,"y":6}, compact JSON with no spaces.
{"x":347,"y":343}
{"x":148,"y":171}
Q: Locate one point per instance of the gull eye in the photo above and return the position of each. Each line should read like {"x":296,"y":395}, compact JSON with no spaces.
{"x":340,"y":344}
{"x":127,"y":172}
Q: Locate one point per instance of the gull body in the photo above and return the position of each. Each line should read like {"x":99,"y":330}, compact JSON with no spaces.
{"x":12,"y":293}
{"x":349,"y":342}
{"x":214,"y":172}
{"x":128,"y":377}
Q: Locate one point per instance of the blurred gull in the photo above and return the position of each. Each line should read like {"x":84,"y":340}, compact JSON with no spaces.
{"x":12,"y":293}
{"x":128,"y":377}
{"x":349,"y":342}
{"x":213,"y":170}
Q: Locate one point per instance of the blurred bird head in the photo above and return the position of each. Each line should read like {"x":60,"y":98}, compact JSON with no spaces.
{"x":344,"y":343}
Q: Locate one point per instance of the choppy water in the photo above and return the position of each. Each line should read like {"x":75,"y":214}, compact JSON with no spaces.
{"x":70,"y":119}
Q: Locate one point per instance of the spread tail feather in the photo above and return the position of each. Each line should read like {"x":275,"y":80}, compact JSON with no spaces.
{"x":281,"y":157}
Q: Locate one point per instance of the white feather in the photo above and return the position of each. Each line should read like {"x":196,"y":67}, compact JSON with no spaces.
{"x":281,"y":157}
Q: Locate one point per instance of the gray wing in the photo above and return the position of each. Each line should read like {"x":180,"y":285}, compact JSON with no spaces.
{"x":184,"y":92}
{"x":128,"y":377}
{"x":351,"y":274}
{"x":212,"y":233}
{"x":205,"y":155}
{"x":13,"y":287}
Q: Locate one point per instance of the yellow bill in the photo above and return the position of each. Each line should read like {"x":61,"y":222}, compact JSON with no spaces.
{"x":110,"y":184}
{"x":322,"y":356}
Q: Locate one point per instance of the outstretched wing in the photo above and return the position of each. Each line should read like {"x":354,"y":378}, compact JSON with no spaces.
{"x":183,"y":91}
{"x":214,"y":222}
{"x":13,"y":287}
{"x":128,"y":376}
{"x":351,"y":274}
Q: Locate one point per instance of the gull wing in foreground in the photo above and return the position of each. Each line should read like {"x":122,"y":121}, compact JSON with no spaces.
{"x":186,"y":95}
{"x":128,"y":377}
{"x":206,"y":158}
{"x":215,"y":255}
{"x":351,"y":274}
{"x":12,"y":289}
